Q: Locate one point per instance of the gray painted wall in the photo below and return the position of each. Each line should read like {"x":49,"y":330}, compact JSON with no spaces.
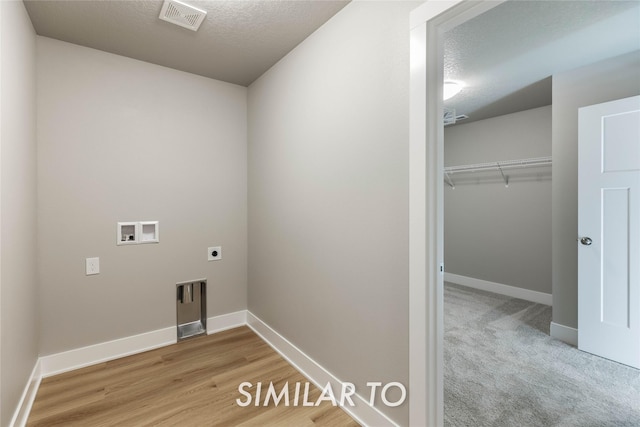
{"x":18,"y":309}
{"x":328,"y":195}
{"x":125,"y":140}
{"x":600,"y":82}
{"x":494,"y":233}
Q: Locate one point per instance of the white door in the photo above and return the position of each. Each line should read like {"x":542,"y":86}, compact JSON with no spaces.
{"x":609,"y":230}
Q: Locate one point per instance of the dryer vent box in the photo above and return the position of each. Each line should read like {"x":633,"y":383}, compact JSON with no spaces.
{"x":191,"y":308}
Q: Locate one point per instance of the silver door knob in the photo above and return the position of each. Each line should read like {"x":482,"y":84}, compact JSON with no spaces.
{"x":586,"y":241}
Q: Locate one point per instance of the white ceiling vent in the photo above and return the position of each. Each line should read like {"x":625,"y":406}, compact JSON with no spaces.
{"x":182,"y":14}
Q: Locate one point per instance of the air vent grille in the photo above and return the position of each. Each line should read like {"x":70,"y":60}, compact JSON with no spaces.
{"x":182,"y":14}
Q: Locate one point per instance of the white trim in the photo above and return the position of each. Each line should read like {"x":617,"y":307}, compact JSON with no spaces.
{"x":226,"y":321}
{"x":564,"y":333}
{"x":85,"y":356}
{"x":23,"y":409}
{"x":362,"y":412}
{"x":429,"y":10}
{"x":58,"y":363}
{"x":418,"y":349}
{"x":499,"y":288}
{"x":428,"y":23}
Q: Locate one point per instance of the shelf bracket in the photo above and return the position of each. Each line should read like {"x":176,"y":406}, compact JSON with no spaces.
{"x":505,"y":178}
{"x":449,"y":181}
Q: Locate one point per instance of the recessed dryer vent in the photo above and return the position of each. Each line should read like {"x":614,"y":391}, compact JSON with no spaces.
{"x":191,"y":308}
{"x":182,"y":14}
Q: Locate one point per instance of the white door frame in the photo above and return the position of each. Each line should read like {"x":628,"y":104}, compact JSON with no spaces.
{"x":426,"y":202}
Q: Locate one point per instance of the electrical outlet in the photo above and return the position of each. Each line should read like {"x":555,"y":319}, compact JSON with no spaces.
{"x":214,"y":253}
{"x":93,"y":266}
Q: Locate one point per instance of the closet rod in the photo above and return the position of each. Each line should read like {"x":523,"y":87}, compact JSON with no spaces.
{"x":499,"y":166}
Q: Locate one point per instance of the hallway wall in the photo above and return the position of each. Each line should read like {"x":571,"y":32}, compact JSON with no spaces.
{"x":19,"y":329}
{"x":328,"y":196}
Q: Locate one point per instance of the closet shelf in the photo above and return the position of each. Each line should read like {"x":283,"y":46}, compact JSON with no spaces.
{"x":500,"y":166}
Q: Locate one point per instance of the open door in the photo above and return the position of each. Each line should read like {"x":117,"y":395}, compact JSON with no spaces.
{"x":609,"y":230}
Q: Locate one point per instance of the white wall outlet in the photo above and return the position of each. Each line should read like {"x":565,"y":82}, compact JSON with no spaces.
{"x":93,"y":266}
{"x":214,"y":253}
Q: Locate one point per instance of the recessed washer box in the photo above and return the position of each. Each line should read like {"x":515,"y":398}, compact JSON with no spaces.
{"x":137,"y":232}
{"x":149,"y":231}
{"x":127,"y":233}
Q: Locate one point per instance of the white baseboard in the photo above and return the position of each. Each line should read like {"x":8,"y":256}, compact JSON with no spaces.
{"x":58,"y":363}
{"x":499,"y":288}
{"x":103,"y":352}
{"x":21,"y":414}
{"x":226,"y":321}
{"x":362,"y":412}
{"x":564,"y":333}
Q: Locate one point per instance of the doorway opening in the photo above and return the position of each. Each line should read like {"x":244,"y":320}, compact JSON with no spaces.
{"x":430,"y":23}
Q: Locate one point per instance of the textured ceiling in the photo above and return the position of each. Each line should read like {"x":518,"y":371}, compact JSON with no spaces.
{"x":237,"y":42}
{"x":507,"y":55}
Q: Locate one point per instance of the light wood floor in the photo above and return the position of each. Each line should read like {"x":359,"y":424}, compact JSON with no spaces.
{"x":192,"y":383}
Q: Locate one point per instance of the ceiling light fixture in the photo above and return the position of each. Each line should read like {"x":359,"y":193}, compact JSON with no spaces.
{"x":451,"y":89}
